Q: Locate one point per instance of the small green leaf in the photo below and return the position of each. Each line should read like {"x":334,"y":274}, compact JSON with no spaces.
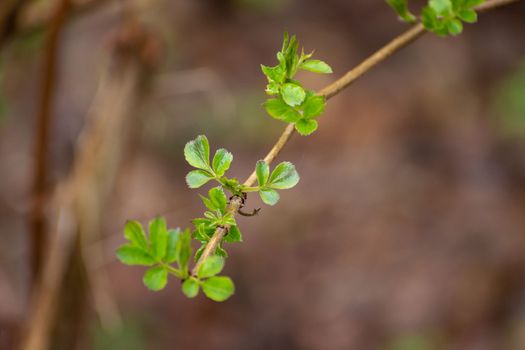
{"x":218,"y":199}
{"x":197,"y":153}
{"x":278,"y":109}
{"x":273,"y":88}
{"x":198,"y":178}
{"x":134,"y":233}
{"x":468,"y":16}
{"x":199,"y":251}
{"x":234,"y":235}
{"x":455,"y":27}
{"x":221,"y":161}
{"x":276,"y":74}
{"x":171,"y":249}
{"x":316,"y":66}
{"x":293,"y":94}
{"x":158,"y":235}
{"x":190,"y":287}
{"x":218,"y":288}
{"x":269,"y":196}
{"x":132,"y":255}
{"x":313,"y":106}
{"x":306,"y":127}
{"x":401,"y":7}
{"x":210,"y":267}
{"x":184,"y":250}
{"x":156,"y":278}
{"x":441,"y":7}
{"x":284,"y":176}
{"x":262,"y":169}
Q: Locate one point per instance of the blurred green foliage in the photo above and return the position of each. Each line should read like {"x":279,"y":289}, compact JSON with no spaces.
{"x":509,"y":104}
{"x":131,"y":336}
{"x":412,"y":342}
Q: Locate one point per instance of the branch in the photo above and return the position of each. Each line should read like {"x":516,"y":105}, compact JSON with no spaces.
{"x":329,"y":91}
{"x":41,"y":150}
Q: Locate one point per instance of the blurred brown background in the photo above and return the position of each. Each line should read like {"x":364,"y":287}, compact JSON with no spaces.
{"x":406,"y":232}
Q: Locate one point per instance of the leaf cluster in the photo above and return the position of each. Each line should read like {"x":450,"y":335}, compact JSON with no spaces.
{"x":442,"y":17}
{"x":293,"y":103}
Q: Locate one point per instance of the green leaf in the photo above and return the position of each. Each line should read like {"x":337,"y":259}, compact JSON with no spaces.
{"x":190,"y":287}
{"x":262,"y":169}
{"x":273,"y":88}
{"x":455,"y":27}
{"x":401,"y":7}
{"x":441,"y":7}
{"x":293,"y":94}
{"x":316,"y":66}
{"x":197,"y":153}
{"x":199,"y":251}
{"x":278,"y":109}
{"x":171,"y":249}
{"x":210,"y":267}
{"x":156,"y":278}
{"x":284,"y":176}
{"x":218,"y":288}
{"x":269,"y":196}
{"x":468,"y":16}
{"x":158,"y":235}
{"x":221,"y":252}
{"x":184,"y":250}
{"x":306,"y":126}
{"x":132,"y":255}
{"x":313,"y":106}
{"x":198,"y":178}
{"x":429,"y":18}
{"x":221,"y":161}
{"x":134,"y":233}
{"x":218,"y":199}
{"x":275,"y":74}
{"x":234,"y":235}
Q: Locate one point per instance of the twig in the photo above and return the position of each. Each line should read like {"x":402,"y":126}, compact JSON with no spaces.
{"x":329,"y":91}
{"x":41,"y":150}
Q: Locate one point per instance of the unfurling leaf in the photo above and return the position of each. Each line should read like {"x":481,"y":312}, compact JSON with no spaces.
{"x":401,"y":7}
{"x":316,"y":66}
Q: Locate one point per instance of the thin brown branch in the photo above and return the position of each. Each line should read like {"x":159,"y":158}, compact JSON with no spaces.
{"x":329,"y":91}
{"x":41,"y":150}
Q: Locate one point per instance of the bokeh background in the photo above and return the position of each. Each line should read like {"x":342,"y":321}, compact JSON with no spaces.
{"x":406,"y":232}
